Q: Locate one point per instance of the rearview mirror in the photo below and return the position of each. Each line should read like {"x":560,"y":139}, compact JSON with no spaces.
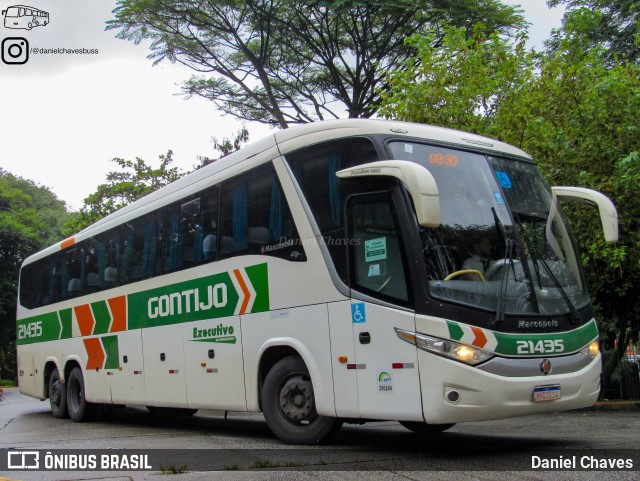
{"x":418,"y":180}
{"x":608,"y":213}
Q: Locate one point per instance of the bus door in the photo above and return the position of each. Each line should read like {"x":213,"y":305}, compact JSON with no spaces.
{"x":164,"y":364}
{"x":386,"y":367}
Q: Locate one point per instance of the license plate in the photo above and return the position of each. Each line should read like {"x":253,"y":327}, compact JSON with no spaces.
{"x":546,"y":393}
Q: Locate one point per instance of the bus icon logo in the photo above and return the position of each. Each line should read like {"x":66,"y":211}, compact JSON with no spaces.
{"x":23,"y":17}
{"x":23,"y":460}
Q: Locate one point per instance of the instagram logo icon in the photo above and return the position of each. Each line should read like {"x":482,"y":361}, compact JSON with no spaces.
{"x":15,"y":50}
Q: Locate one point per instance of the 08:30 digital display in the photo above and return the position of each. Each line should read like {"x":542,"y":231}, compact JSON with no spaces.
{"x":448,"y":160}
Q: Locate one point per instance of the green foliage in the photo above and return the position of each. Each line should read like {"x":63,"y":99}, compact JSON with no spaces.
{"x":31,"y":217}
{"x":226,"y":146}
{"x":134,"y":180}
{"x":463,"y":81}
{"x":612,"y":24}
{"x":286,"y":62}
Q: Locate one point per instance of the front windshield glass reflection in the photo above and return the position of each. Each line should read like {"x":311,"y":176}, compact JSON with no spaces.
{"x":483,"y":256}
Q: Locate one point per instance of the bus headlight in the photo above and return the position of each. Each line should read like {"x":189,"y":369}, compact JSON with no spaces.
{"x":592,"y":349}
{"x":444,"y":347}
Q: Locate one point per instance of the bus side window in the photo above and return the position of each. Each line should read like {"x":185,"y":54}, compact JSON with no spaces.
{"x":315,"y":170}
{"x":38,"y":283}
{"x":256,"y":218}
{"x":141,"y":247}
{"x":377,"y":260}
{"x":71,"y":284}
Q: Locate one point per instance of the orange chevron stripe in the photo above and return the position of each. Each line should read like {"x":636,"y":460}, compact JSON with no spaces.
{"x":95,"y":353}
{"x":85,"y":319}
{"x":118,"y":306}
{"x":245,"y":291}
{"x":480,"y":339}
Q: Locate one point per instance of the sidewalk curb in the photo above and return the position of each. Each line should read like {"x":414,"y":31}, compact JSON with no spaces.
{"x":614,"y":406}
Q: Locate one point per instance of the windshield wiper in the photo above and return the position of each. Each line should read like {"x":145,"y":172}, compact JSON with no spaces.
{"x":536,"y":256}
{"x":507,"y":264}
{"x":502,"y":294}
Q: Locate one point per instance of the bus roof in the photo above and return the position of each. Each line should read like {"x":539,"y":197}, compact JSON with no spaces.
{"x":280,"y":143}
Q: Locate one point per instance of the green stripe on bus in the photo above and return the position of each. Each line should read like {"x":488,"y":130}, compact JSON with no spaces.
{"x":110,"y":344}
{"x":532,"y":344}
{"x":45,"y":327}
{"x":455,"y":331}
{"x":102,"y":317}
{"x":208,"y":297}
{"x":259,"y":277}
{"x":194,"y":300}
{"x":66,"y":318}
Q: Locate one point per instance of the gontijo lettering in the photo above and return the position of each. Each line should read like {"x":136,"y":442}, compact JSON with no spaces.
{"x":187,"y":301}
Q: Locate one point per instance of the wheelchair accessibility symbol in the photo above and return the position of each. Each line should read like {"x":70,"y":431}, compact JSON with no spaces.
{"x":358,"y":315}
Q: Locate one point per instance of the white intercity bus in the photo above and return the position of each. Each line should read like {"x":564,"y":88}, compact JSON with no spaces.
{"x":347,"y":270}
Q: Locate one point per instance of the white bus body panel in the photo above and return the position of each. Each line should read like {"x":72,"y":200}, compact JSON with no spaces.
{"x":304,"y":329}
{"x":165,"y":379}
{"x":385,"y":391}
{"x":97,"y":383}
{"x":26,"y":370}
{"x":128,"y":383}
{"x":342,"y":344}
{"x":217,"y":382}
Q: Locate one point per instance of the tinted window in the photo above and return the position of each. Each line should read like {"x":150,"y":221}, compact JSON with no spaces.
{"x":256,"y":218}
{"x":315,"y":170}
{"x":191,"y":231}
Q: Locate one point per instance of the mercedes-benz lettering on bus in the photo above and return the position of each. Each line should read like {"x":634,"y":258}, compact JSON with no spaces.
{"x":343,"y":270}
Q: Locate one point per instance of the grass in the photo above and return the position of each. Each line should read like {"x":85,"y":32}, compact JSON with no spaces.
{"x":8,"y":383}
{"x":265,"y":463}
{"x":173,"y":469}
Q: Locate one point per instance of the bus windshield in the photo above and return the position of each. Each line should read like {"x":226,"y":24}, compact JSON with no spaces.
{"x":503,"y":244}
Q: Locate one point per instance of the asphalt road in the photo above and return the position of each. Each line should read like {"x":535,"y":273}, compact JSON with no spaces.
{"x":241,"y":446}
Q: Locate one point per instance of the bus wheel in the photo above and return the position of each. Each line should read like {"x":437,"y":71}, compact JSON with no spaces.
{"x":289,"y":406}
{"x":424,"y":428}
{"x":57,"y":395}
{"x":80,"y":410}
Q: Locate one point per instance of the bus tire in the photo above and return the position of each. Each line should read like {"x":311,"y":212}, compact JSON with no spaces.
{"x":424,"y":428}
{"x":57,"y":395}
{"x":80,"y":410}
{"x":288,"y":404}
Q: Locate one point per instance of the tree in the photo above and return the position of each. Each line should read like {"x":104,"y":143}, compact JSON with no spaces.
{"x":573,"y":110}
{"x":31,"y":217}
{"x":287,"y":62}
{"x":614,"y":24}
{"x":464,"y":81}
{"x":135,"y":180}
{"x":226,"y":146}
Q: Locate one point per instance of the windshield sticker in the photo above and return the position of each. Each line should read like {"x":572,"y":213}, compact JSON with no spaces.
{"x":375,"y":249}
{"x":499,"y":198}
{"x":504,"y":179}
{"x":377,"y":269}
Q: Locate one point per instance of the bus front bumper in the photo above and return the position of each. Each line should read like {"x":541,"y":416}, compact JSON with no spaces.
{"x":453,"y":392}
